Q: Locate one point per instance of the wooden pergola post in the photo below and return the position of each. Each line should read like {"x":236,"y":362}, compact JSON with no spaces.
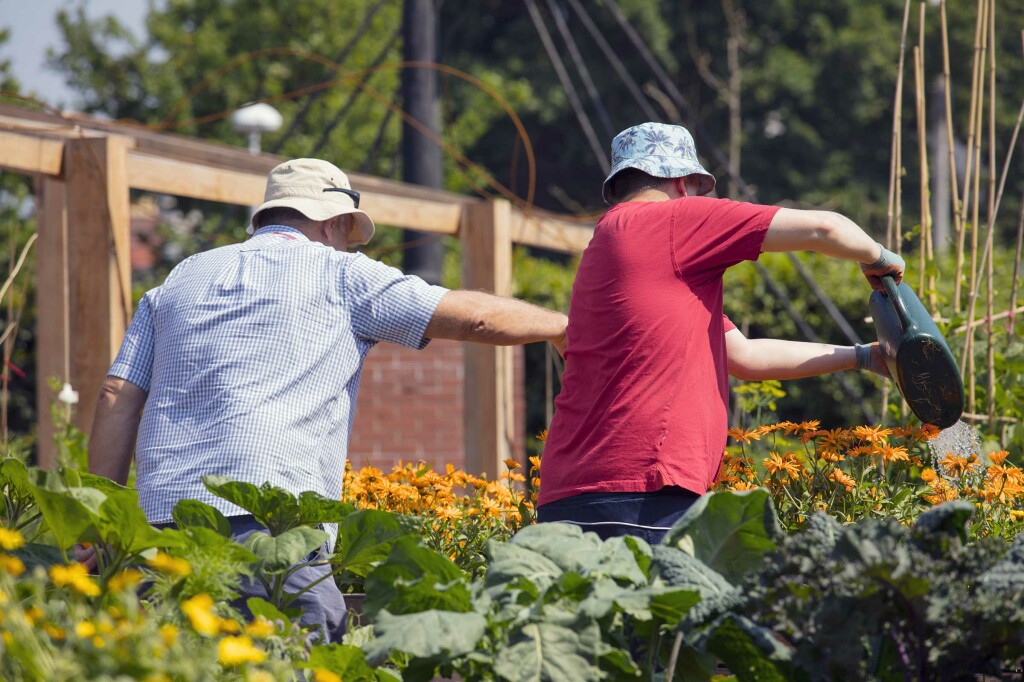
{"x":489,"y":423}
{"x":87,"y":241}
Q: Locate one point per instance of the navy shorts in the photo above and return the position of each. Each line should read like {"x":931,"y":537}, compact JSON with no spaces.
{"x":644,"y":515}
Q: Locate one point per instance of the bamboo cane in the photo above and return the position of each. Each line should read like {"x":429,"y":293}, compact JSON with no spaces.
{"x":1011,"y":327}
{"x":990,"y":356}
{"x":958,"y":225}
{"x":971,"y":129}
{"x":897,"y":123}
{"x":922,"y":153}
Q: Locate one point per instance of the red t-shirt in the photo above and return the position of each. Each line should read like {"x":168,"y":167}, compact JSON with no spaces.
{"x":645,"y":391}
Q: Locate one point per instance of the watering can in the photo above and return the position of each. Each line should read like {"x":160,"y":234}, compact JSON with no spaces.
{"x":917,"y":356}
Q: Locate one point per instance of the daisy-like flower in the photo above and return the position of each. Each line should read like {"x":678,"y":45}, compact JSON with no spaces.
{"x":75,"y":576}
{"x":842,"y":478}
{"x":260,"y":628}
{"x":199,"y":610}
{"x":233,"y":651}
{"x":11,"y":565}
{"x":10,"y":539}
{"x":743,"y":485}
{"x":958,"y":465}
{"x":998,"y":457}
{"x":788,"y":463}
{"x":512,"y":464}
{"x":929,"y":475}
{"x":871,"y":434}
{"x":892,"y":453}
{"x":542,"y":436}
{"x":742,"y":436}
{"x":165,"y":563}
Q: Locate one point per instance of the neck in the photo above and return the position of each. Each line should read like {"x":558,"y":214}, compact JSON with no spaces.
{"x":652,"y":195}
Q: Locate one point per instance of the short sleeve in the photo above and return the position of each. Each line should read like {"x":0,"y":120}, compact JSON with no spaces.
{"x":710,"y":235}
{"x":134,"y":361}
{"x":727,"y":325}
{"x":387,"y":305}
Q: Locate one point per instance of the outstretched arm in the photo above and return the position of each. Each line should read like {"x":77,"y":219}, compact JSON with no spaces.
{"x":761,"y":359}
{"x":114,"y":428}
{"x":485,"y":318}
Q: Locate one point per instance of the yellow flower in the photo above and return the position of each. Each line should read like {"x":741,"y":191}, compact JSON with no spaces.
{"x":534,"y":462}
{"x":260,"y":676}
{"x":325,"y":675}
{"x":10,"y":539}
{"x":239,"y":650}
{"x":33,"y":614}
{"x":85,"y":629}
{"x":169,"y":633}
{"x":1016,"y":514}
{"x":229,"y":627}
{"x":512,"y":464}
{"x":53,"y":631}
{"x":75,"y":576}
{"x":199,"y":610}
{"x":98,"y":642}
{"x":12,"y":565}
{"x":260,"y":628}
{"x":170,"y":565}
{"x":129,"y":577}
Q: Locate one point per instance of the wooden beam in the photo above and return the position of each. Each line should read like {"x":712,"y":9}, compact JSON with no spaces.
{"x":99,"y":271}
{"x":51,"y":315}
{"x":543,"y":230}
{"x":488,"y":398}
{"x":26,"y":153}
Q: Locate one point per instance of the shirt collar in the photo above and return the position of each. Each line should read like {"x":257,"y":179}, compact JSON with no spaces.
{"x":281,"y":230}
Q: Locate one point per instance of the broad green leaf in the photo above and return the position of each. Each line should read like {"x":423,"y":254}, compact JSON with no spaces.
{"x":365,"y":539}
{"x":575,"y":551}
{"x":69,"y":512}
{"x":261,"y":607}
{"x":409,"y":563}
{"x":277,"y":554}
{"x":348,"y":662}
{"x":212,"y":542}
{"x":544,"y":652}
{"x":671,"y":604}
{"x":34,"y":554}
{"x":728,"y":531}
{"x":122,"y":524}
{"x":275,"y":508}
{"x":1007,"y":575}
{"x":509,"y":562}
{"x":426,"y":634}
{"x":678,"y":569}
{"x":84,"y":479}
{"x":424,"y":594}
{"x":314,"y":508}
{"x":14,"y":477}
{"x":196,"y":514}
{"x":946,"y":522}
{"x":752,"y":652}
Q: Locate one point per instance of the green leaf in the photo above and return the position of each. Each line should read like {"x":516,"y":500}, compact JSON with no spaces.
{"x":277,"y":509}
{"x":426,"y":634}
{"x":314,"y":508}
{"x":261,"y":607}
{"x":678,"y":569}
{"x":69,"y":512}
{"x":508,"y":562}
{"x":123,"y":525}
{"x":196,"y":514}
{"x":86,"y":480}
{"x":348,"y":662}
{"x":944,"y":523}
{"x":728,"y":531}
{"x":365,"y":539}
{"x":277,"y":554}
{"x":564,"y":544}
{"x":1007,"y":575}
{"x":14,"y":477}
{"x":211,"y":542}
{"x":417,"y":573}
{"x":545,"y":652}
{"x":34,"y":554}
{"x":752,"y":652}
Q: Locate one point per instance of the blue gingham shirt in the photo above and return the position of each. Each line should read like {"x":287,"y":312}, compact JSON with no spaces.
{"x":251,"y":355}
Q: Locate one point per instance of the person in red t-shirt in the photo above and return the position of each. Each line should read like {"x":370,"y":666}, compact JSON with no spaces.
{"x":640,"y":424}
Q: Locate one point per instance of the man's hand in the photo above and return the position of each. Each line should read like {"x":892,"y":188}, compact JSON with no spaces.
{"x":888,"y":263}
{"x":86,"y":554}
{"x":871,"y":358}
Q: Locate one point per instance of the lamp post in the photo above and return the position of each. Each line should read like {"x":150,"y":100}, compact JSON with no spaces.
{"x":254,"y":120}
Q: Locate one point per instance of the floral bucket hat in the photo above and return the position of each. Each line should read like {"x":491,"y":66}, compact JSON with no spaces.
{"x":660,"y":150}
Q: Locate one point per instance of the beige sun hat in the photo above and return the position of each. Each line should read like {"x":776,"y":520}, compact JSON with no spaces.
{"x":318,"y":190}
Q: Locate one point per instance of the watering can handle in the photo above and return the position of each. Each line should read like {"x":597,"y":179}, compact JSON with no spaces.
{"x":897,"y":301}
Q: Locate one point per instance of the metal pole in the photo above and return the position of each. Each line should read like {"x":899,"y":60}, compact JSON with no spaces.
{"x":421,"y":158}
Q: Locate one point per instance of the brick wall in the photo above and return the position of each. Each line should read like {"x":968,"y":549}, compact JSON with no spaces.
{"x":410,"y":406}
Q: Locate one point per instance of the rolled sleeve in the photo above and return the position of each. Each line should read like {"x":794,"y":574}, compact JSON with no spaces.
{"x":387,"y":305}
{"x":134,"y":361}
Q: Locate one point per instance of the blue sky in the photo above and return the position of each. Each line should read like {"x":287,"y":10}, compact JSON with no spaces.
{"x":34,"y":28}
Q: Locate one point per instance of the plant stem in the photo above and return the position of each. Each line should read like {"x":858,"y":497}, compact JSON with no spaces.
{"x":892,"y":227}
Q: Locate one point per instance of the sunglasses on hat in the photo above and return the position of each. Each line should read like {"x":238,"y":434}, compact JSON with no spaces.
{"x":350,"y":192}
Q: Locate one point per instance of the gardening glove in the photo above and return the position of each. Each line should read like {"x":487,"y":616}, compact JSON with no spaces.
{"x":869,"y":357}
{"x":888,"y":263}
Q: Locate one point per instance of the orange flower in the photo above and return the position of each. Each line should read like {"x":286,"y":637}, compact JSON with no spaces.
{"x":842,"y":478}
{"x":930,"y":431}
{"x":788,"y":463}
{"x":768,"y":428}
{"x":892,"y":453}
{"x":542,"y":436}
{"x":958,"y":465}
{"x":512,"y":464}
{"x":830,"y":455}
{"x":941,"y":491}
{"x":835,"y":439}
{"x":743,"y":485}
{"x":929,"y":475}
{"x":998,"y":457}
{"x":738,"y":434}
{"x":807,"y":427}
{"x":872,"y":434}
{"x":534,"y":462}
{"x":789,"y":427}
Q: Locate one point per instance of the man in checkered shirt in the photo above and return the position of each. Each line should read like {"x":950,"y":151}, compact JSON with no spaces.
{"x":246,"y":361}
